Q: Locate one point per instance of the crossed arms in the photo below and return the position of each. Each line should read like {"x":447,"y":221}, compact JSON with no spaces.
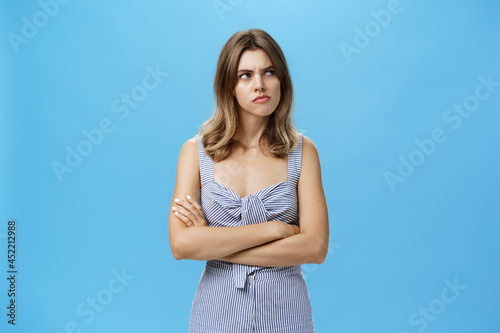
{"x":268,"y":244}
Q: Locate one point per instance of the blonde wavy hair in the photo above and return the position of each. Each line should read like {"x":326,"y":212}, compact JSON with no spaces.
{"x":281,"y":134}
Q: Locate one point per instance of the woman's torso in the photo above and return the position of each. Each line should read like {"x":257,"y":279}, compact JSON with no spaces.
{"x":248,"y":189}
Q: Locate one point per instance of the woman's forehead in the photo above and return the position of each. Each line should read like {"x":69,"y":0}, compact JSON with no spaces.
{"x":254,"y":58}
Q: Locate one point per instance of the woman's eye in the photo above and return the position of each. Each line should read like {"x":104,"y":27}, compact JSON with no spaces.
{"x":247,"y":75}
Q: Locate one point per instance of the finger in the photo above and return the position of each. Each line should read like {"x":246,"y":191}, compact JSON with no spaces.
{"x":188,"y":213}
{"x":189,"y":205}
{"x":194,"y":203}
{"x":184,"y":219}
{"x":183,"y":214}
{"x":184,"y":203}
{"x":200,"y":215}
{"x":183,"y":206}
{"x":179,"y":202}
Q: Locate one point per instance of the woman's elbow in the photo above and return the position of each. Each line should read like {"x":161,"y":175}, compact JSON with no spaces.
{"x":320,"y":254}
{"x":320,"y":258}
{"x":185,"y":249}
{"x":315,"y":248}
{"x":179,"y":248}
{"x":177,"y":252}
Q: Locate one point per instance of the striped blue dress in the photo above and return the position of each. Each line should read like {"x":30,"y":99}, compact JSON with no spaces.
{"x":241,"y":298}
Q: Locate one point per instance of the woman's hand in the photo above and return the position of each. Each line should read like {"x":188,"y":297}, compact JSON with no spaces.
{"x":286,"y":230}
{"x":279,"y":228}
{"x":189,"y":212}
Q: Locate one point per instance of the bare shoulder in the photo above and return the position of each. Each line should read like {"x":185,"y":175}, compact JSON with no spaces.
{"x":188,"y":169}
{"x":189,"y":151}
{"x":310,"y":173}
{"x":310,"y":154}
{"x":191,"y":144}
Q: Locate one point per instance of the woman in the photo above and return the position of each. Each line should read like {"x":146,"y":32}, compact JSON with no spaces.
{"x":240,"y":186}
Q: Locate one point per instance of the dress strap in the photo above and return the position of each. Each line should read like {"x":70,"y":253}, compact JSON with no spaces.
{"x":206,"y":163}
{"x":295,"y":162}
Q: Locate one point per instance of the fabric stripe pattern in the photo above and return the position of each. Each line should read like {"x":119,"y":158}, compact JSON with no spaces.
{"x":242,"y":298}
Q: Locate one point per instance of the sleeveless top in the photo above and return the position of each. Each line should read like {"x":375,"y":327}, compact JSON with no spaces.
{"x":223,"y":207}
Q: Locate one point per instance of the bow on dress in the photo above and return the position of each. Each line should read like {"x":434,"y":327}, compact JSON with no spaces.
{"x":263,"y":206}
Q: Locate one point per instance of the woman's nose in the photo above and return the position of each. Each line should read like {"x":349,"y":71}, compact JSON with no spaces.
{"x":259,"y":84}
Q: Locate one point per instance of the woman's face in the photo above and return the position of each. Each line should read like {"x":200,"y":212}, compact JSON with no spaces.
{"x":256,"y":77}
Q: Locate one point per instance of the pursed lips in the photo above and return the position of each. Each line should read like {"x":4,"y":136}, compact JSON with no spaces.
{"x":262,"y":98}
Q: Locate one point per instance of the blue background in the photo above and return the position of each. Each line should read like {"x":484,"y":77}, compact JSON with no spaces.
{"x":393,"y":249}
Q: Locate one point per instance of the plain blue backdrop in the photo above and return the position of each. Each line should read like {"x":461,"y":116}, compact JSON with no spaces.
{"x":401,"y":98}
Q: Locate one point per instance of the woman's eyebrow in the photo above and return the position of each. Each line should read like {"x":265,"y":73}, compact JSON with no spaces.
{"x":249,"y":70}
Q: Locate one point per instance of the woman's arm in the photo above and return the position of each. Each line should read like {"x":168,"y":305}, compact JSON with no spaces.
{"x":311,"y":245}
{"x":200,"y":242}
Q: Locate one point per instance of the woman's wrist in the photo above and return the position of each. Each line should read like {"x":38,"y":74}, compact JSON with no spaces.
{"x":278,"y":230}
